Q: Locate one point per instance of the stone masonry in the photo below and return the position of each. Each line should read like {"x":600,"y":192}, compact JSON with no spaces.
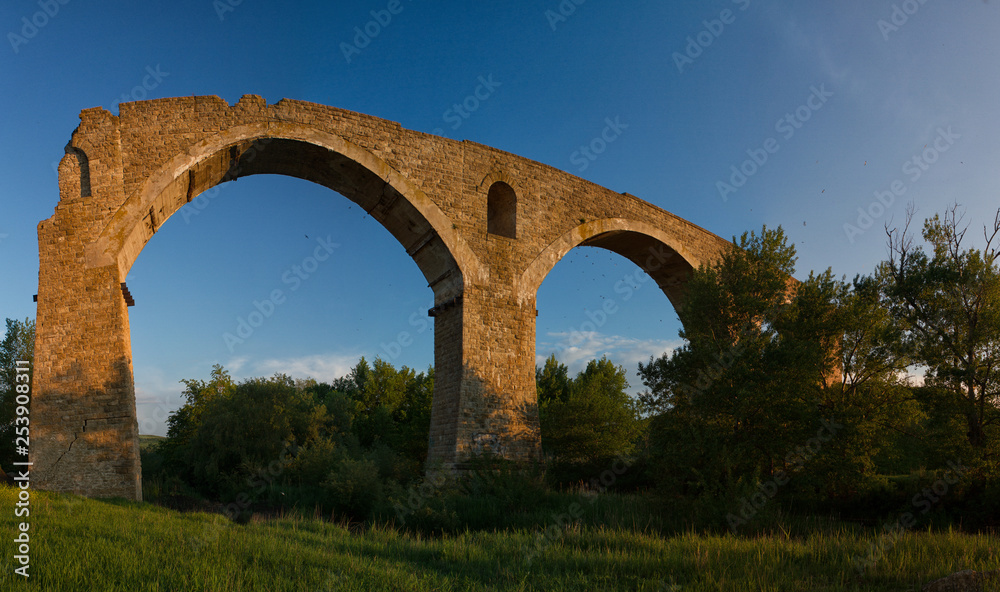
{"x":484,"y":226}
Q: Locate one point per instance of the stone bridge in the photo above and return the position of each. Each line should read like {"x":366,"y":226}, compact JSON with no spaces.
{"x":485,"y":227}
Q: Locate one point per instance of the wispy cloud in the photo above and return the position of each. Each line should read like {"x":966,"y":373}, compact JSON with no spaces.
{"x":156,"y":397}
{"x":323,"y":367}
{"x":576,"y":349}
{"x":913,"y":375}
{"x":236,"y":364}
{"x":811,"y":39}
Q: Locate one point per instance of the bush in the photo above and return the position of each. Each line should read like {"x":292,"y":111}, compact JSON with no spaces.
{"x":354,"y":487}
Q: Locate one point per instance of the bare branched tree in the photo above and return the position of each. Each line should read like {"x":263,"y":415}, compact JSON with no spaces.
{"x":949,"y":302}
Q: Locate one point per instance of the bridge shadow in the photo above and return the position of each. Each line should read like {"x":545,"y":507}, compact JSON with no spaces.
{"x":502,"y":427}
{"x":94,"y":447}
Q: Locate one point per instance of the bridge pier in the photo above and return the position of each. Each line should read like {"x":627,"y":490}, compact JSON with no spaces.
{"x":485,"y":400}
{"x":84,"y":433}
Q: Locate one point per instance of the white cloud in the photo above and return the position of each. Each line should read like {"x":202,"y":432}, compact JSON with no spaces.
{"x":322,"y":367}
{"x":236,"y":364}
{"x":577,"y":348}
{"x":156,"y":398}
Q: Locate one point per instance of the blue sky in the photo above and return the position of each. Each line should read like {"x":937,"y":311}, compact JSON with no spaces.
{"x":822,"y":106}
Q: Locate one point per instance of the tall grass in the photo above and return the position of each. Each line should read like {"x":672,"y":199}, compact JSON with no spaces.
{"x":82,"y":544}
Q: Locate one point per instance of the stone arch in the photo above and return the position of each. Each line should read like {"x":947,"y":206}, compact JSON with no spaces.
{"x":663,"y":256}
{"x":501,"y":210}
{"x":83,"y":168}
{"x":499,"y":175}
{"x":398,"y":204}
{"x":84,"y":409}
{"x":502,"y":192}
{"x":659,"y":250}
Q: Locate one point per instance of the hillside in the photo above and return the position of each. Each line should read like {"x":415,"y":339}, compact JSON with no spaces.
{"x":147,"y":441}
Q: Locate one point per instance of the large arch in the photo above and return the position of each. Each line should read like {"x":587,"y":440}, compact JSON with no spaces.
{"x":93,"y":456}
{"x":123,"y":176}
{"x":300,"y":151}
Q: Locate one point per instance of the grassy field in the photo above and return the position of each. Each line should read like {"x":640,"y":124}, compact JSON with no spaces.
{"x":81,"y":544}
{"x":145,"y":442}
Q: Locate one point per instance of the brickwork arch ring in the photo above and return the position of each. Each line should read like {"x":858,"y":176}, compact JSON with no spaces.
{"x":499,"y":175}
{"x":660,"y":254}
{"x":415,"y":220}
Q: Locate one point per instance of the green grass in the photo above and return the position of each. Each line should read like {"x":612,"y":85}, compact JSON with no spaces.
{"x":82,"y":544}
{"x":146,"y":442}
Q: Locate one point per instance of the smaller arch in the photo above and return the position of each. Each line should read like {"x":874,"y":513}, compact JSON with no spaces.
{"x":79,"y":169}
{"x":501,"y":210}
{"x":663,"y":256}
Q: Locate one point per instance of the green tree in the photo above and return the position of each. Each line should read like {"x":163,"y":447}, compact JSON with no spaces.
{"x":252,"y":433}
{"x":383,"y":386}
{"x":18,"y":345}
{"x":183,"y":424}
{"x":285,"y":441}
{"x":388,"y":406}
{"x":414,"y":416}
{"x":768,"y":366}
{"x":552,"y":381}
{"x":872,"y":397}
{"x":594,"y":420}
{"x":386,"y":398}
{"x":949,"y":302}
{"x":850,"y":363}
{"x":730,"y":402}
